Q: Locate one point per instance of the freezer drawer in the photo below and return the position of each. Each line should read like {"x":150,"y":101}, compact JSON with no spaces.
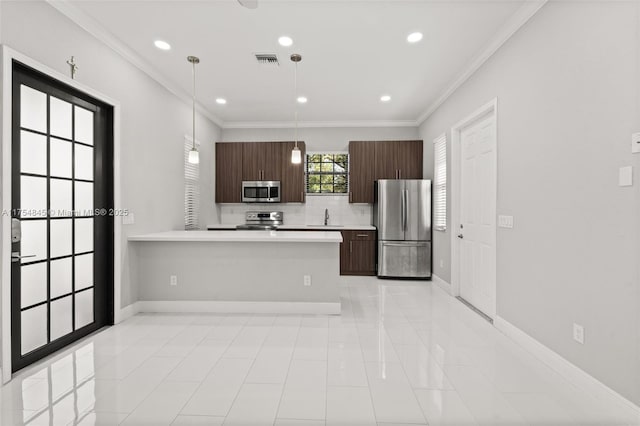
{"x":404,"y":259}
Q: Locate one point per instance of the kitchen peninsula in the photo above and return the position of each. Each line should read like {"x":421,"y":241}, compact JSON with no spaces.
{"x":241,"y":271}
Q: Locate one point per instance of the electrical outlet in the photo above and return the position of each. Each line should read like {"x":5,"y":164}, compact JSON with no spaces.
{"x":441,"y":263}
{"x":173,"y":280}
{"x":578,"y":333}
{"x":307,"y":280}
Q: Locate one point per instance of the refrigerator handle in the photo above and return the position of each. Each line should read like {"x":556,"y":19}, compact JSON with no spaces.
{"x":405,"y":195}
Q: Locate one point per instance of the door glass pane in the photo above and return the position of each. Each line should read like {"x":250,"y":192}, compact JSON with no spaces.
{"x":34,"y":240}
{"x":84,"y":198}
{"x":84,"y":271}
{"x":84,"y":235}
{"x":33,"y":153}
{"x":34,"y":328}
{"x":33,"y":196}
{"x":33,"y":109}
{"x":33,"y":284}
{"x":84,"y":125}
{"x":60,"y":158}
{"x":61,"y":311}
{"x":84,"y":308}
{"x":60,"y":123}
{"x":60,"y":198}
{"x":60,"y":277}
{"x":60,"y":237}
{"x":84,"y":162}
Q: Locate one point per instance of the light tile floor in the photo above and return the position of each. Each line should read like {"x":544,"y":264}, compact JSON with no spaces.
{"x":401,"y":353}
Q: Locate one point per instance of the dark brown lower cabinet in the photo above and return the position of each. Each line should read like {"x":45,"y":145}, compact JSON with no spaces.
{"x":358,"y":253}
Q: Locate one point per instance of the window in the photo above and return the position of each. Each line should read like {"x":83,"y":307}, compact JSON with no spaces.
{"x":327,"y":173}
{"x":440,"y":183}
{"x":191,"y":188}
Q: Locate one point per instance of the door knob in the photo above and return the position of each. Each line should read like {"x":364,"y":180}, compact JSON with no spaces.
{"x":460,"y":236}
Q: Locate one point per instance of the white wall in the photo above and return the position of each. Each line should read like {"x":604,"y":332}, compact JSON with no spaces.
{"x":153,"y":120}
{"x":568,"y":89}
{"x":333,"y":139}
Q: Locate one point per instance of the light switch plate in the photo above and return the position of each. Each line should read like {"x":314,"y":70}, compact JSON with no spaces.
{"x":505,"y":221}
{"x":625,"y":177}
{"x":635,"y":143}
{"x":129,"y":219}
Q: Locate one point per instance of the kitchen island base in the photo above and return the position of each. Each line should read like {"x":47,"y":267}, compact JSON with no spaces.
{"x":246,"y":272}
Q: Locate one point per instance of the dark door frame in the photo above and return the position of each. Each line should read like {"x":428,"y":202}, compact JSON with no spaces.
{"x":9,"y":56}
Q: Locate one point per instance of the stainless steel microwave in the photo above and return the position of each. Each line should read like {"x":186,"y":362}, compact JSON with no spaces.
{"x":261,"y":191}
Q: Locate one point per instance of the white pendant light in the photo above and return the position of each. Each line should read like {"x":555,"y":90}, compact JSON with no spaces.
{"x":296,"y":154}
{"x":194,"y":156}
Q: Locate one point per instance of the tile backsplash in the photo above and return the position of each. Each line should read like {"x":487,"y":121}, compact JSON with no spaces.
{"x":310,"y":213}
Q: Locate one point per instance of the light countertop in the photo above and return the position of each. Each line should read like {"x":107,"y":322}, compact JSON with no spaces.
{"x":242,"y":236}
{"x":304,"y":227}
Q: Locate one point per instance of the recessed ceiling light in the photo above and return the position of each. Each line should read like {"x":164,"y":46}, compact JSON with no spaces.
{"x":285,"y":41}
{"x":221,"y":101}
{"x":162,"y":45}
{"x":385,"y":98}
{"x":414,"y":37}
{"x":302,"y":100}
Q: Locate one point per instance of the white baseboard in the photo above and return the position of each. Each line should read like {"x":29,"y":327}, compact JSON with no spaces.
{"x":441,"y":283}
{"x":562,"y":366}
{"x":196,"y":306}
{"x":127,"y":312}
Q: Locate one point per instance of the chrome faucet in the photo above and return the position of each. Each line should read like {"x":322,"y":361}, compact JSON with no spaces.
{"x":326,"y":217}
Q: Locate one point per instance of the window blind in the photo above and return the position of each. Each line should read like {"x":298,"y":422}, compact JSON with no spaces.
{"x":440,"y":183}
{"x":191,"y":189}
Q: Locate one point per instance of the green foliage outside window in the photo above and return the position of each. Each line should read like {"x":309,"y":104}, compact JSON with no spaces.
{"x":327,"y":173}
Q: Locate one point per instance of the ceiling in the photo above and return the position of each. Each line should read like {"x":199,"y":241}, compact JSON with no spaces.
{"x":352,"y":52}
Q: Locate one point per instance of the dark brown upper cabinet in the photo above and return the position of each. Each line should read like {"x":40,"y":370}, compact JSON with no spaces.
{"x":362,"y":162}
{"x":370,"y":161}
{"x":238,"y":161}
{"x":409,"y":159}
{"x":398,"y":159}
{"x":261,"y":161}
{"x":228,"y":172}
{"x":292,"y":183}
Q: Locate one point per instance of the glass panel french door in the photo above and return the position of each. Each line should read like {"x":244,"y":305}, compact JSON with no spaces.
{"x":62,"y":221}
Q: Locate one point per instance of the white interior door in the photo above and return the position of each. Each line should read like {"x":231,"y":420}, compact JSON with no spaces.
{"x":477,"y":233}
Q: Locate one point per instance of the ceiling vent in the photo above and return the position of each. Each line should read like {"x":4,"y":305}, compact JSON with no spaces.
{"x":267,"y":59}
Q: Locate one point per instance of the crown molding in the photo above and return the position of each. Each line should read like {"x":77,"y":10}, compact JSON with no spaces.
{"x":510,"y":27}
{"x":316,"y":124}
{"x":94,"y":28}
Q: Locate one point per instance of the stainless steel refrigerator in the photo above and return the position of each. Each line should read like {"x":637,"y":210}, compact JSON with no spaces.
{"x":402,"y":214}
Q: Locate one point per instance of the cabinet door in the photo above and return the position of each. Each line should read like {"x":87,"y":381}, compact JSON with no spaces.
{"x":229,"y":172}
{"x":271,"y":164}
{"x":361,"y":171}
{"x":363,"y":252}
{"x":252,"y":161}
{"x":358,"y":253}
{"x":409,"y":159}
{"x":292,"y":180}
{"x":345,"y":254}
{"x":386,"y":164}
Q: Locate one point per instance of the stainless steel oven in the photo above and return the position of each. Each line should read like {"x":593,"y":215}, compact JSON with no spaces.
{"x":261,"y":191}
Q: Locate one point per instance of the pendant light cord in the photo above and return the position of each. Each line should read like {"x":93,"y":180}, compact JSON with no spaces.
{"x":295,"y":115}
{"x":193,"y":148}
